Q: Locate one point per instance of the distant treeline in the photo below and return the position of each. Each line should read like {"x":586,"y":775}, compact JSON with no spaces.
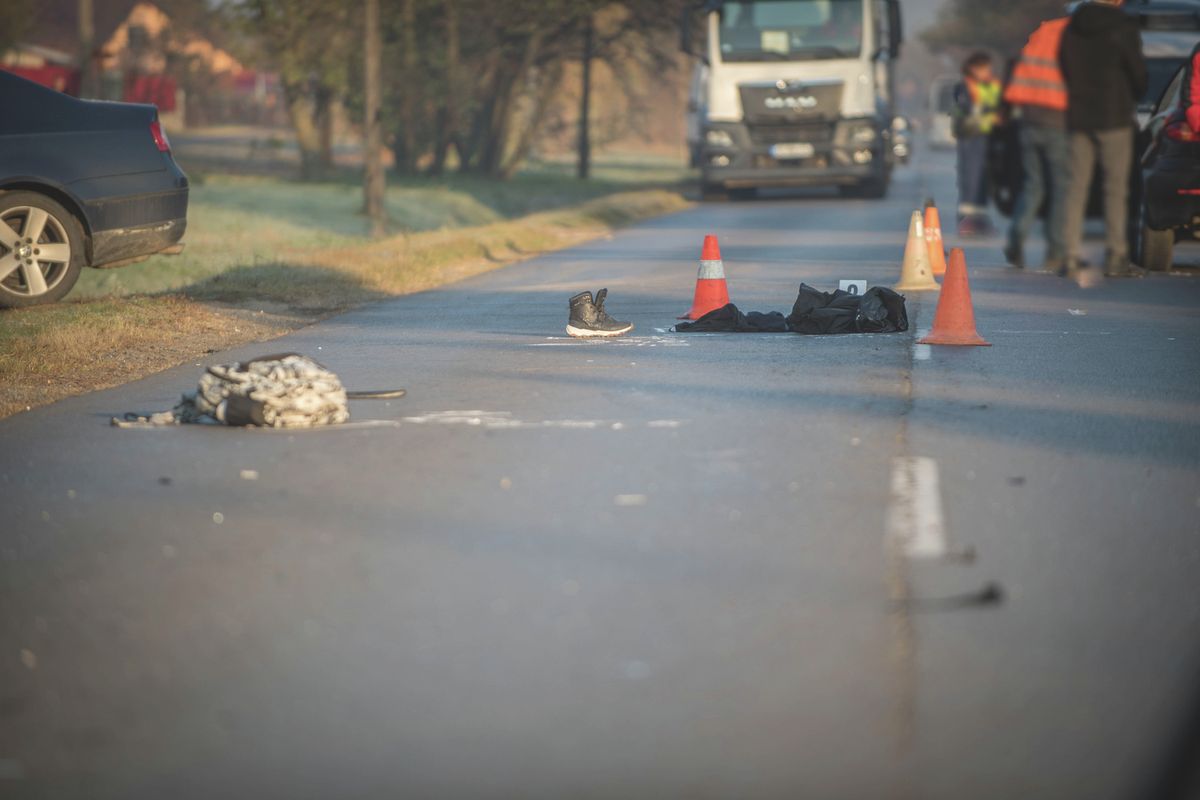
{"x":466,"y":82}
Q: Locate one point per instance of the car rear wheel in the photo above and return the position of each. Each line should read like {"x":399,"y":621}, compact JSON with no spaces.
{"x":41,"y":250}
{"x":1158,"y":249}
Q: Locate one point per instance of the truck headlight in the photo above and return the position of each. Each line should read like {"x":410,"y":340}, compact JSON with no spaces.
{"x":863,"y":134}
{"x":718,"y":138}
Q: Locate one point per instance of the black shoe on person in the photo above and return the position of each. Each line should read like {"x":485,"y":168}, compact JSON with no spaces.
{"x":1014,"y":255}
{"x":589,"y":319}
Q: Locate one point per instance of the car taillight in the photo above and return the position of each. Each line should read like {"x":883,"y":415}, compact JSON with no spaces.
{"x":1181,"y":132}
{"x":160,"y":137}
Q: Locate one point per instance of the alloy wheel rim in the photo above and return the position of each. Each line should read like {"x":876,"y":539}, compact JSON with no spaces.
{"x":35,"y":253}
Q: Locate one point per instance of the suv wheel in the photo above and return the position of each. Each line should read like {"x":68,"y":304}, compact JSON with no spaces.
{"x":41,"y":250}
{"x":1158,"y":249}
{"x":1155,"y":249}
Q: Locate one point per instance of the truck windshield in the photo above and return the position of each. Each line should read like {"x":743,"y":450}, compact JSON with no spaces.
{"x":791,"y":30}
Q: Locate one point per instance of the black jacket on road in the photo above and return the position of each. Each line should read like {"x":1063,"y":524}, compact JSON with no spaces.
{"x":1104,"y":67}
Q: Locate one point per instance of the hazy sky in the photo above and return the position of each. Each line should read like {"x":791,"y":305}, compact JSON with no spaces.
{"x":919,"y":14}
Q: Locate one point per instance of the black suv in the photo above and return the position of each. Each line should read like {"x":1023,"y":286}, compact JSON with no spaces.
{"x":1170,"y":207}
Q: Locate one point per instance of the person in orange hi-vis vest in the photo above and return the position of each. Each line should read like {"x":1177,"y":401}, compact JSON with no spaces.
{"x":1037,"y":94}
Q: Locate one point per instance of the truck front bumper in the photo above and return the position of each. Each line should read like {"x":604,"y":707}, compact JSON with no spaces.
{"x":735,"y":155}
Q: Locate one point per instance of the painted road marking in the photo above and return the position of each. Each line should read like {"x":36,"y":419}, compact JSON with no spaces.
{"x":915,"y":525}
{"x":922,"y":352}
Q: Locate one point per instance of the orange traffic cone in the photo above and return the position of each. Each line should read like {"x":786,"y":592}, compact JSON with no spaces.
{"x":954,"y":320}
{"x":933,"y":237}
{"x":711,"y":291}
{"x":916,"y":274}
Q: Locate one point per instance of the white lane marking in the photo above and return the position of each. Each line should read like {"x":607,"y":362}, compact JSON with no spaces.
{"x":922,"y":352}
{"x":1061,"y":333}
{"x":621,"y":341}
{"x":914,"y":522}
{"x":504,"y":420}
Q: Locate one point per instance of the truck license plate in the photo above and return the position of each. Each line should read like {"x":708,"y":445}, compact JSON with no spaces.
{"x":792,"y":150}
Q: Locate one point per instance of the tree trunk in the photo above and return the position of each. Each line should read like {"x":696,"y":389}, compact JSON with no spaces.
{"x":583,"y":167}
{"x":308,"y":139}
{"x":503,"y":103}
{"x":448,"y":114}
{"x":87,"y":44}
{"x":550,"y":83}
{"x":324,"y":122}
{"x":373,"y":178}
{"x":408,"y":98}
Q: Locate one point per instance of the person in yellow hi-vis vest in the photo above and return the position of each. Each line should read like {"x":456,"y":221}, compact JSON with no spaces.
{"x":977,"y":113}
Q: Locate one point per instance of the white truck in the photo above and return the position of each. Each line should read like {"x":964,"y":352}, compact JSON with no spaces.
{"x":794,"y":93}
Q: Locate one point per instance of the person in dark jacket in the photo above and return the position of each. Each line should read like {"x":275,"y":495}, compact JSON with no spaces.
{"x":1105,"y":71}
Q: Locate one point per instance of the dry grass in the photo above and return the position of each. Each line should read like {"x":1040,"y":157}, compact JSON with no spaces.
{"x":50,"y":353}
{"x":336,"y":278}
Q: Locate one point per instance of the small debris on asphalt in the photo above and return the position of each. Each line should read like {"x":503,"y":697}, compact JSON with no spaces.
{"x":218,"y":517}
{"x":1016,"y":480}
{"x":991,"y":594}
{"x":249,"y":474}
{"x":630,"y":500}
{"x":1077,"y":312}
{"x":164,"y":481}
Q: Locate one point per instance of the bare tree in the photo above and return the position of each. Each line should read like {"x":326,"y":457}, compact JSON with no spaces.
{"x":373,"y":182}
{"x":583,"y":167}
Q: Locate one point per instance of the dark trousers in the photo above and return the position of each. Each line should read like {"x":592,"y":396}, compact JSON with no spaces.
{"x":972,"y":176}
{"x":1045,"y":161}
{"x":1113,"y":152}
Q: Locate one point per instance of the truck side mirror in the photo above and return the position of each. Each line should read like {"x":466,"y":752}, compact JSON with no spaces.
{"x":895,"y":28}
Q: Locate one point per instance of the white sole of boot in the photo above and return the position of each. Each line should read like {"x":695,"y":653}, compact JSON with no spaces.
{"x":584,"y":333}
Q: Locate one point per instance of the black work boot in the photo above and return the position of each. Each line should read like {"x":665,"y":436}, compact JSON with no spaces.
{"x":1014,"y":254}
{"x":589,"y":319}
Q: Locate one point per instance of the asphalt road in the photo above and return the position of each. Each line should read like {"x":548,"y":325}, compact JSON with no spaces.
{"x":653,"y":567}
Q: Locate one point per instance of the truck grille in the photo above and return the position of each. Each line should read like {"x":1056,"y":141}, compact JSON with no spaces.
{"x":812,"y":132}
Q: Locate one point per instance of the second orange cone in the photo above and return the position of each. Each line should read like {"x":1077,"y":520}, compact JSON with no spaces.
{"x":711,"y":290}
{"x":933,"y":237}
{"x":954,"y":320}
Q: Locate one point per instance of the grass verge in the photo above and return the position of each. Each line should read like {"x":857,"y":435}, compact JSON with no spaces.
{"x":50,"y":353}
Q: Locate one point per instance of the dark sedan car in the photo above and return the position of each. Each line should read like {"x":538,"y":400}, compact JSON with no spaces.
{"x":1171,"y":178}
{"x":82,"y":183}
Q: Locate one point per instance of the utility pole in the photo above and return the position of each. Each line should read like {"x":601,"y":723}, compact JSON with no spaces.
{"x":87,"y":45}
{"x":584,"y":164}
{"x":373,"y":183}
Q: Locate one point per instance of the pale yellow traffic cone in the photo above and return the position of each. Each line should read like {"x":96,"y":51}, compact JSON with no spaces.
{"x":916,"y":274}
